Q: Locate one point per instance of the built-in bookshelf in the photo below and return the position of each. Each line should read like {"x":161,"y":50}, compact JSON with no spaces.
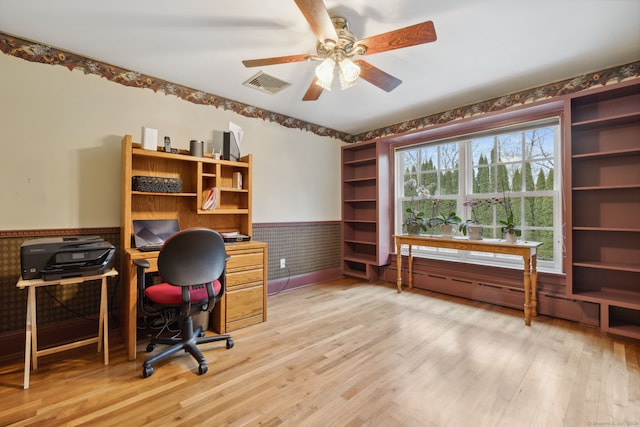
{"x":365,"y":209}
{"x":603,"y":178}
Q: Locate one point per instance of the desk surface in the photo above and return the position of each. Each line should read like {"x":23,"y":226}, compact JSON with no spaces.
{"x":134,"y":253}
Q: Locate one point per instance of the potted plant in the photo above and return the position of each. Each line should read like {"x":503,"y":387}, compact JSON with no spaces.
{"x":509,"y":227}
{"x":446,"y":222}
{"x":415,"y":220}
{"x":472,"y":226}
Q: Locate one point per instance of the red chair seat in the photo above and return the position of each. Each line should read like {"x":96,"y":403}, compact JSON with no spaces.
{"x":167,"y":294}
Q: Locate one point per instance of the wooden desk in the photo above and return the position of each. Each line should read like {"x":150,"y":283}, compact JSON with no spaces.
{"x":244,"y":303}
{"x":31,"y":341}
{"x":526,"y":249}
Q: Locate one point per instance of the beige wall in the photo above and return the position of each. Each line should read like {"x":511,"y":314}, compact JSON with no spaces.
{"x":60,"y":136}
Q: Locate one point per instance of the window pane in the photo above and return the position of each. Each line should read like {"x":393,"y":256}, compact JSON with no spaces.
{"x":510,"y":147}
{"x":539,"y":211}
{"x":510,"y":171}
{"x":545,"y":252}
{"x":539,"y":143}
{"x":481,"y":147}
{"x":449,"y":182}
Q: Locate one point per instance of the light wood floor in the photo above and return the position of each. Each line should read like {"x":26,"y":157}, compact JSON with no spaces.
{"x":349,"y":354}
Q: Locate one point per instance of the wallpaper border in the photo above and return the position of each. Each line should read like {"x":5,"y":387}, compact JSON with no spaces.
{"x":41,"y":53}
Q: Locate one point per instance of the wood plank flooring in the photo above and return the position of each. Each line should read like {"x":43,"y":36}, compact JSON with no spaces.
{"x":346,"y":353}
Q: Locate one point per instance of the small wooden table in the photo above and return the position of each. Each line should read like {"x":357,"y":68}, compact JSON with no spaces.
{"x":31,"y":341}
{"x":528,"y":250}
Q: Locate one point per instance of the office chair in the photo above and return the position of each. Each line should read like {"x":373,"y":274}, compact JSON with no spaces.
{"x":192,"y":263}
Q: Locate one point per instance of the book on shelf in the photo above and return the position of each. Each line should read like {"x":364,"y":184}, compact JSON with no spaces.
{"x":211,"y":199}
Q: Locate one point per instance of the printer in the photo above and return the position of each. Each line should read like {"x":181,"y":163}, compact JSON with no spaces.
{"x":57,"y":258}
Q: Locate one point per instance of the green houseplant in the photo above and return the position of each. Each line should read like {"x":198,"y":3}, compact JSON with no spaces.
{"x":415,"y":221}
{"x":465,"y":226}
{"x":509,"y":227}
{"x":446,"y":222}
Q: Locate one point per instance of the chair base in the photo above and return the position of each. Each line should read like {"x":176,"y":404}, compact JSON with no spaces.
{"x":189,"y":341}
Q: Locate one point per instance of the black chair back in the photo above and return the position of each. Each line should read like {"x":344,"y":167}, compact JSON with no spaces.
{"x":192,"y":257}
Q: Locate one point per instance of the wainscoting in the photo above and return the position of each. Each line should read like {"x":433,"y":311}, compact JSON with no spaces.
{"x":311,"y":251}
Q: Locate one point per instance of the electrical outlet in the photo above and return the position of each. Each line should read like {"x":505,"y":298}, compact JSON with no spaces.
{"x":283,"y":263}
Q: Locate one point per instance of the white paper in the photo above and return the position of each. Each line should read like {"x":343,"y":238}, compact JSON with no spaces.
{"x":149,"y":138}
{"x":237,"y":132}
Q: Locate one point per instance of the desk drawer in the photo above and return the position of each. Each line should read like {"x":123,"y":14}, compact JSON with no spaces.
{"x":242,"y":260}
{"x":244,"y":303}
{"x":242,"y":277}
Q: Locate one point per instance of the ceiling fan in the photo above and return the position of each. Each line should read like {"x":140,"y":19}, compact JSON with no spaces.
{"x":337,"y":45}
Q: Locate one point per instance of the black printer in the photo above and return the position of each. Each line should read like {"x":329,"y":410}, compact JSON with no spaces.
{"x":57,"y":258}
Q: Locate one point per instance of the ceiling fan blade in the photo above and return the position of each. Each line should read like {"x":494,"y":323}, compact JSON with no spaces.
{"x":314,"y":91}
{"x":377,"y":77}
{"x":276,"y":60}
{"x":318,"y":18}
{"x":412,"y":35}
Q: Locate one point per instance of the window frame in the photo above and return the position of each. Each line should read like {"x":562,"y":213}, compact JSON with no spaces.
{"x":463,"y":135}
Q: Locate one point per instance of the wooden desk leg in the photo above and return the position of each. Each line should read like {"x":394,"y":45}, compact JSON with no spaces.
{"x":527,"y":292}
{"x":399,"y":267}
{"x":410,"y":261}
{"x":103,"y":327}
{"x":28,"y":336}
{"x":534,"y":285}
{"x":129,"y":309}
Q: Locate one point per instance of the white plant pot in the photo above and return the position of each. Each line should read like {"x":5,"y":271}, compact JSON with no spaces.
{"x":475,"y":231}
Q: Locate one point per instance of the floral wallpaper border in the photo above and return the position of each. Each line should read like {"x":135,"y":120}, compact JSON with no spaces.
{"x":37,"y":52}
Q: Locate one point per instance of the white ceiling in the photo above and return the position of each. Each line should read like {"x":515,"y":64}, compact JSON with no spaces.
{"x":484,"y":49}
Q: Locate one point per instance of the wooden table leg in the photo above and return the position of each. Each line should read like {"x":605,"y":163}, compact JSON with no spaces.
{"x":410,"y":261}
{"x":103,"y":327}
{"x":399,"y":267}
{"x":34,"y":327}
{"x":29,"y":336}
{"x":527,"y":292}
{"x":534,"y":285}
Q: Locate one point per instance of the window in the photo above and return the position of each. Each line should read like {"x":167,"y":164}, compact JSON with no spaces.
{"x":518,"y":164}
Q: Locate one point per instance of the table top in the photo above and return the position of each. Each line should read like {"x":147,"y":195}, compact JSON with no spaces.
{"x":22,"y":283}
{"x":520,"y":247}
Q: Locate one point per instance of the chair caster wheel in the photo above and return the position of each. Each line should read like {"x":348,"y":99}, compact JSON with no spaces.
{"x":202,"y":368}
{"x":201,"y":334}
{"x":230,"y":343}
{"x":147,"y":371}
{"x":150,"y":347}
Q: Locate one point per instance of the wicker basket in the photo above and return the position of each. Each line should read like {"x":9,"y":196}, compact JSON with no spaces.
{"x":155,"y":184}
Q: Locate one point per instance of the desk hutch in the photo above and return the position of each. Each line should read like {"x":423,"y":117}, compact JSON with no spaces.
{"x":245,"y":302}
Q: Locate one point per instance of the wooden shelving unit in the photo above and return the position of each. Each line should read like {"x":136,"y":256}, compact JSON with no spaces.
{"x":366,"y":235}
{"x":603,"y":184}
{"x":245,"y":301}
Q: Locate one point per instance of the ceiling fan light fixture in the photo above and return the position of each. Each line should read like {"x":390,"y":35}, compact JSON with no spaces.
{"x":349,"y":73}
{"x":324,"y":73}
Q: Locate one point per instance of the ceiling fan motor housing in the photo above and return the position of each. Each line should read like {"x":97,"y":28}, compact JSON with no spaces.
{"x":345,"y":45}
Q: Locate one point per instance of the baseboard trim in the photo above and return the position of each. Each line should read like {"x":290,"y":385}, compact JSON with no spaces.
{"x":288,"y":283}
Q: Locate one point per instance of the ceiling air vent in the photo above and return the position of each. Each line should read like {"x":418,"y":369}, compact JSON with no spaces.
{"x":266,"y":83}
